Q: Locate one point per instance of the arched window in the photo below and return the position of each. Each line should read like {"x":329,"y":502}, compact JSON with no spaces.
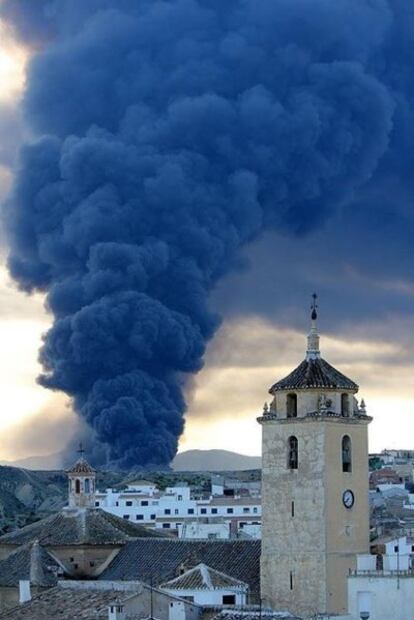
{"x":346,"y":454}
{"x":292,"y":406}
{"x":77,"y":486}
{"x":87,"y":486}
{"x":292,"y":453}
{"x":344,"y":405}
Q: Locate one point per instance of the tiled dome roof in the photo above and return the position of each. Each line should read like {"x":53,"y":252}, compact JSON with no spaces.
{"x":81,"y":467}
{"x":314,"y":373}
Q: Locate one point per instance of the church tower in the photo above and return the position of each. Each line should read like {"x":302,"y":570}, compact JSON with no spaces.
{"x":82,"y":478}
{"x":315,"y":514}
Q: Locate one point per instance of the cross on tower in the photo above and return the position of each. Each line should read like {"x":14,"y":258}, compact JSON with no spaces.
{"x":314,"y":306}
{"x":81,"y":451}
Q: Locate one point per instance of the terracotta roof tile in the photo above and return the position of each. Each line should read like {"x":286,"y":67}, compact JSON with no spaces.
{"x":314,"y":373}
{"x":202,"y":577}
{"x":162,"y":559}
{"x":91,"y":526}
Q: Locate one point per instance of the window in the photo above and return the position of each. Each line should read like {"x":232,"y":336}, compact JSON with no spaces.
{"x":144,"y":503}
{"x":346,"y":454}
{"x":153,"y":517}
{"x":246,"y":510}
{"x":75,"y":566}
{"x":229,"y":599}
{"x":214,"y":511}
{"x":180,"y":498}
{"x":203,"y":511}
{"x":91,"y":563}
{"x":344,"y":405}
{"x":190,"y":511}
{"x":396,"y":548}
{"x":291,"y":580}
{"x":292,"y":406}
{"x":139,"y":517}
{"x":126,"y":517}
{"x":292,"y":453}
{"x":96,"y":503}
{"x":87,"y":485}
{"x":255,"y":509}
{"x":230,"y":511}
{"x":116,"y":503}
{"x":71,"y":559}
{"x":176,"y":511}
{"x":77,"y":486}
{"x":166,"y":526}
{"x":167,"y":511}
{"x":128,"y":503}
{"x":293,"y":509}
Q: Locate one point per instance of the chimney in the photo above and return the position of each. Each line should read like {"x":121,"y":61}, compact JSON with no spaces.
{"x":177,"y":611}
{"x":116,"y":611}
{"x":24,"y":591}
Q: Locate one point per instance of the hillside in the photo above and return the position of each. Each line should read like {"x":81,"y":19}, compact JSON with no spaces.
{"x":28,"y":495}
{"x":191,"y":460}
{"x":214,"y":460}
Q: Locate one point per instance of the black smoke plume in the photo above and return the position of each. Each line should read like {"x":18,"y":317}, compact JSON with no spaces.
{"x":170,"y":133}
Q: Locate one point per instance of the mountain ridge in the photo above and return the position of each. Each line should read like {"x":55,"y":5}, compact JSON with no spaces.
{"x":188,"y":460}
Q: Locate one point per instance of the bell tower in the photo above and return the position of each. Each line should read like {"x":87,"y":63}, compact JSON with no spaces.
{"x":315,"y":514}
{"x":82,"y":479}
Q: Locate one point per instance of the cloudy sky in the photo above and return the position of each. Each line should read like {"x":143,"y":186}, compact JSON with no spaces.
{"x":358,"y":258}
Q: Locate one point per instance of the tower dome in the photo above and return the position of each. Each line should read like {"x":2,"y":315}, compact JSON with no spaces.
{"x":314,"y":386}
{"x":82,"y":478}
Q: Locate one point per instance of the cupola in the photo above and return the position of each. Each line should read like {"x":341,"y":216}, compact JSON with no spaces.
{"x":82,"y":478}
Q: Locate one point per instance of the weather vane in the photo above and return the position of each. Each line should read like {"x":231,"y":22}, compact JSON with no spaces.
{"x":314,"y":306}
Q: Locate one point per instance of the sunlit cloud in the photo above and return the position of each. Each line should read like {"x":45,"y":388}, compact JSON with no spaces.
{"x":13,"y":60}
{"x":248,"y":355}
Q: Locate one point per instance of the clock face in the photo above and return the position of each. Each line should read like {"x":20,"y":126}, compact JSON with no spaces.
{"x":348,"y":498}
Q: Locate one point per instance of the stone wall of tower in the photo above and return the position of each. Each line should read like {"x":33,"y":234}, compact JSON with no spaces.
{"x":347,"y":530}
{"x":307,"y":551}
{"x":293,"y":544}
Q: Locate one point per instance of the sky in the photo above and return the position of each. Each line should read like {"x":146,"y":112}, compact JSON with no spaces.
{"x":358,"y":259}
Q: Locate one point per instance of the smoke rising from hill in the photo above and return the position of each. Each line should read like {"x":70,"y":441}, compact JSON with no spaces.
{"x":170,"y":134}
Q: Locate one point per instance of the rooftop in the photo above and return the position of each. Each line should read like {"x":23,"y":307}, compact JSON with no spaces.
{"x":314,"y":373}
{"x":81,"y":467}
{"x":68,"y":603}
{"x":202,"y":577}
{"x":239,"y":559}
{"x":30,"y":562}
{"x":78,"y":527}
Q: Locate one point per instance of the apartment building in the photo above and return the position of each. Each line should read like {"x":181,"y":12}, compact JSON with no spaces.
{"x":176,"y":508}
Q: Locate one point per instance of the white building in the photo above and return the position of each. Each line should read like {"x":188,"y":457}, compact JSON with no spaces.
{"x":176,"y":509}
{"x":382,"y":586}
{"x":204,"y":586}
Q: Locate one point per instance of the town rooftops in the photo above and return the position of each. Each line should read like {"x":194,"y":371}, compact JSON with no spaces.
{"x":68,"y":527}
{"x":240,"y":559}
{"x":256,"y":614}
{"x":314,"y":373}
{"x":68,"y":602}
{"x":31,"y":563}
{"x":202,"y":577}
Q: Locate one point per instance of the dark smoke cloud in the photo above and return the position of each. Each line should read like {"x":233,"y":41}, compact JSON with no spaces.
{"x":171,"y":133}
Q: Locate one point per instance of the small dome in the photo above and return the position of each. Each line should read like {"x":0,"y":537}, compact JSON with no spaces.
{"x":81,"y":467}
{"x":314,"y":373}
